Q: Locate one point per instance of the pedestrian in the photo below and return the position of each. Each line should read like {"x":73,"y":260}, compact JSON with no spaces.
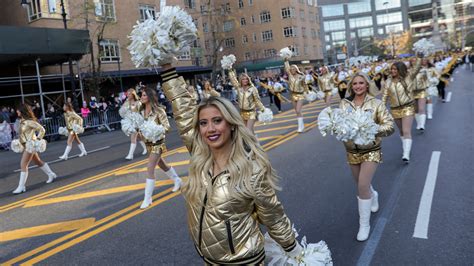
{"x":363,"y":159}
{"x":153,"y":112}
{"x":30,"y":130}
{"x":74,"y":126}
{"x":132,"y":105}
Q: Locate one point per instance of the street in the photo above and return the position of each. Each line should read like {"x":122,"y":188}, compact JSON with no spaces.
{"x":90,"y":215}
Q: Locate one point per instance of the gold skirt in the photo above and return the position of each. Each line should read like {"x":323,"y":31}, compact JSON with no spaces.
{"x":155,"y":148}
{"x":420,"y":94}
{"x":247,"y":115}
{"x":297,"y":96}
{"x":404,"y":111}
{"x":358,"y":158}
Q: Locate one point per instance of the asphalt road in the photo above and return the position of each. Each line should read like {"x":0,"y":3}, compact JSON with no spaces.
{"x":90,"y":216}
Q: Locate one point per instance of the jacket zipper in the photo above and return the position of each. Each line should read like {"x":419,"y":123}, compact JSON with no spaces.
{"x":201,"y":219}
{"x":229,"y":236}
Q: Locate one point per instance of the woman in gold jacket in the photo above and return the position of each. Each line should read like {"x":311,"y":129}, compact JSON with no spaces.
{"x":325,"y":83}
{"x":298,"y":87}
{"x":420,"y":94}
{"x":151,"y":110}
{"x":231,"y":184}
{"x":132,"y":104}
{"x":399,"y":88}
{"x":29,"y":130}
{"x":363,"y":160}
{"x":72,"y":119}
{"x":209,"y":90}
{"x":247,"y":97}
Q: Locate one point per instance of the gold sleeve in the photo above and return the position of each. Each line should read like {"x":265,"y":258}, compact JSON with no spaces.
{"x":214,"y":93}
{"x":385,"y":120}
{"x":416,"y":69}
{"x":183,"y":105}
{"x":233,"y":78}
{"x":76,"y":119}
{"x":257,"y":100}
{"x":267,"y":87}
{"x":287,"y":67}
{"x":36,"y":127}
{"x":163,"y":118}
{"x":385,"y":94}
{"x":270,"y":213}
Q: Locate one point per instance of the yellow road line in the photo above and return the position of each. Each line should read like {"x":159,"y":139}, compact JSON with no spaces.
{"x":45,"y":229}
{"x":274,"y":129}
{"x":287,"y":120}
{"x":269,"y":137}
{"x":139,"y":170}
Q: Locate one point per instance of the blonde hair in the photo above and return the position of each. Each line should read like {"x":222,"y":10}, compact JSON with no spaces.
{"x":242,"y":76}
{"x":245,"y":152}
{"x":134,"y":93}
{"x":297,"y":69}
{"x":372,"y":88}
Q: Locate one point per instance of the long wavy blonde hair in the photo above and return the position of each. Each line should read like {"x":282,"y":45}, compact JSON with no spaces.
{"x":245,"y":153}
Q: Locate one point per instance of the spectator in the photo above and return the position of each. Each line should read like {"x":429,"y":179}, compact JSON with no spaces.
{"x":5,"y":114}
{"x":94,"y":111}
{"x":85,"y":111}
{"x":5,"y":134}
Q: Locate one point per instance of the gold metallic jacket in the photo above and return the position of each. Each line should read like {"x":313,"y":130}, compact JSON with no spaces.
{"x":249,"y":100}
{"x":134,"y":107}
{"x":325,"y":82}
{"x":226,"y":230}
{"x":381,"y":117}
{"x":72,"y":119}
{"x":401,"y":92}
{"x":296,"y":83}
{"x":28,"y":130}
{"x":422,"y":82}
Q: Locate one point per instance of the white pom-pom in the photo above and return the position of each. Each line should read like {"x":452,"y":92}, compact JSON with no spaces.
{"x":33,"y":146}
{"x":286,"y":53}
{"x":78,"y":129}
{"x":327,"y":119}
{"x":311,"y":96}
{"x":334,"y":91}
{"x":16,"y":146}
{"x":308,"y":79}
{"x":364,"y":126}
{"x":63,"y":131}
{"x":152,"y":132}
{"x":123,"y":111}
{"x":424,"y":46}
{"x":128,"y":126}
{"x":228,"y":61}
{"x":266,"y":116}
{"x":432,"y":91}
{"x":154,"y":42}
{"x":320,"y":95}
{"x":434,"y":81}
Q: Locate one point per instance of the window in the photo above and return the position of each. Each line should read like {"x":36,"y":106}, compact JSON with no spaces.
{"x":295,"y":50}
{"x":333,"y":25}
{"x":314,"y":34}
{"x":287,"y":12}
{"x":190,"y":4}
{"x":204,"y":9}
{"x":311,"y":16}
{"x":229,"y":42}
{"x":146,"y":11}
{"x":360,"y":7}
{"x":303,"y":32}
{"x":269,"y":53}
{"x":379,"y":5}
{"x":109,"y":51}
{"x":327,"y":38}
{"x":394,"y":28}
{"x":305,"y":50}
{"x":245,"y":38}
{"x":248,"y":56}
{"x":207,"y":45}
{"x":302,"y":14}
{"x":243,"y":22}
{"x":228,"y":25}
{"x":254,"y":38}
{"x":252,"y":19}
{"x":418,"y":2}
{"x":265,"y":17}
{"x":389,"y":18}
{"x":380,"y":31}
{"x":105,"y":10}
{"x":196,"y":22}
{"x":267,"y":36}
{"x":367,"y":32}
{"x":333,"y":10}
{"x":34,"y":9}
{"x":289,"y":31}
{"x":227,"y":7}
{"x":310,"y":2}
{"x":338,"y":36}
{"x":241,"y":3}
{"x":360,"y":22}
{"x":250,"y":2}
{"x":205,"y":27}
{"x":185,"y":56}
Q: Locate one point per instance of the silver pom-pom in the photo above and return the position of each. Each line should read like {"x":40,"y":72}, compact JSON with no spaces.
{"x":128,"y":127}
{"x":364,"y":126}
{"x":286,"y":53}
{"x":78,"y":129}
{"x":123,"y":111}
{"x":16,"y":146}
{"x":424,"y":46}
{"x":152,"y":132}
{"x":334,"y":91}
{"x":311,"y":96}
{"x":63,"y":131}
{"x":432,"y":91}
{"x":228,"y":61}
{"x":34,"y":146}
{"x":266,"y":116}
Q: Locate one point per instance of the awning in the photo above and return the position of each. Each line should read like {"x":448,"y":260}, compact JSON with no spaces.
{"x":23,"y":45}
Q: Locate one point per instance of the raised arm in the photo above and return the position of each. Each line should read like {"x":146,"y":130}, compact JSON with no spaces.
{"x":416,"y":69}
{"x":233,"y":78}
{"x":37,"y":127}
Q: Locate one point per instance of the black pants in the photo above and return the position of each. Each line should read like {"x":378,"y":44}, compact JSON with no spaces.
{"x":277,"y":101}
{"x":342,"y":93}
{"x":441,"y":85}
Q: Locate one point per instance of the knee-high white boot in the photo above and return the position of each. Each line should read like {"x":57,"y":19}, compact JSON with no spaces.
{"x":83,"y":150}
{"x":171,"y":173}
{"x":131,"y":151}
{"x":21,"y":185}
{"x":417,"y":119}
{"x":51,"y":175}
{"x":364,"y":218}
{"x":66,"y":153}
{"x":149,"y":186}
{"x":375,"y":200}
{"x":300,"y":124}
{"x":429,"y":110}
{"x":406,"y":150}
{"x":144,"y":152}
{"x":422,"y":121}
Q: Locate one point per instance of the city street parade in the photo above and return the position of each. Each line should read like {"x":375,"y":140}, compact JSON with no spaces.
{"x":236,"y":132}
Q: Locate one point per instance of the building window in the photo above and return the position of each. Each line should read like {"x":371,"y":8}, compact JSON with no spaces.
{"x":252,"y":19}
{"x":265,"y":17}
{"x":245,"y":39}
{"x":34,"y":9}
{"x":287,"y":12}
{"x":305,"y":50}
{"x":105,"y":10}
{"x":289,"y":31}
{"x":394,"y":28}
{"x":205,"y":27}
{"x":327,"y":37}
{"x":243,"y":22}
{"x":190,"y":4}
{"x":185,"y":56}
{"x":227,"y":7}
{"x":302,"y":14}
{"x":338,"y":36}
{"x":360,"y":7}
{"x":418,"y":2}
{"x":379,"y":5}
{"x":229,"y":42}
{"x":303,"y":32}
{"x":389,"y":18}
{"x":207,"y":45}
{"x":311,"y":16}
{"x":360,"y":22}
{"x":314,"y":34}
{"x":333,"y":10}
{"x":250,"y":2}
{"x":241,"y":3}
{"x":146,"y":11}
{"x":204,"y":9}
{"x":254,"y":37}
{"x":228,"y":25}
{"x":269,"y":53}
{"x":310,"y":2}
{"x":109,"y":51}
{"x":333,"y":25}
{"x":295,"y":50}
{"x":367,"y":32}
{"x":248,"y":56}
{"x":267,"y":36}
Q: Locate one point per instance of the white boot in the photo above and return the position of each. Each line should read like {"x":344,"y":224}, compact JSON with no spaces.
{"x":300,"y":125}
{"x":429,"y":110}
{"x":131,"y":151}
{"x":66,"y":153}
{"x":422,"y":121}
{"x":417,"y":119}
{"x":21,"y":185}
{"x":375,"y":200}
{"x":51,"y":175}
{"x":144,"y":152}
{"x":406,"y":150}
{"x":171,"y":173}
{"x":149,"y":186}
{"x":364,"y":218}
{"x":83,"y":150}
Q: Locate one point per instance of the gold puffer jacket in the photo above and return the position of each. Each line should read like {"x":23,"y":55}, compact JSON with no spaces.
{"x":381,"y":117}
{"x":72,"y":119}
{"x":422,"y":82}
{"x":401,"y":93}
{"x":325,"y":82}
{"x":28,"y":130}
{"x":212,"y":92}
{"x":226,"y":230}
{"x":249,"y":100}
{"x":296,"y":83}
